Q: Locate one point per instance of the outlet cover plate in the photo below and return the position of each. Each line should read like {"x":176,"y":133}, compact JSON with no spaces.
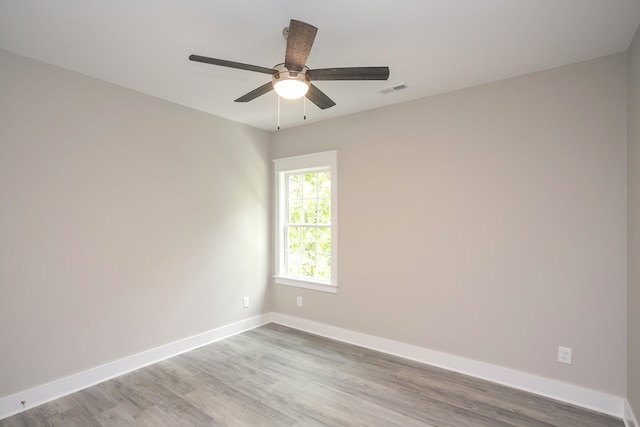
{"x":564,"y":355}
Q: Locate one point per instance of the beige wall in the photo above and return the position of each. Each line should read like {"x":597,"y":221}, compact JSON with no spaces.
{"x":126,"y":222}
{"x":633,"y":292}
{"x":488,"y":223}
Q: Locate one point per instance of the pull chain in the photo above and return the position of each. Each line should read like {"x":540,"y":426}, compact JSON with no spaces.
{"x":304,"y":106}
{"x":278,"y":112}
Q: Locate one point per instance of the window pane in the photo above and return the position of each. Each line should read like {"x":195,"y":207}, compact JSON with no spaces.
{"x":294,"y":267}
{"x":309,"y":237}
{"x":296,"y":212}
{"x":310,"y":211}
{"x":295,"y":186}
{"x":310,"y":186}
{"x":323,"y":269}
{"x":324,"y":185}
{"x":294,"y":239}
{"x":309,"y":264}
{"x":324,"y":240}
{"x":324,"y":211}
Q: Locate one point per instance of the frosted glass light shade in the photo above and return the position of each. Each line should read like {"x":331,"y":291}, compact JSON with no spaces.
{"x":291,"y":88}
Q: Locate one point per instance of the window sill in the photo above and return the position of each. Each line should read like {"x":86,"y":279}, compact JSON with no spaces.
{"x":306,"y":284}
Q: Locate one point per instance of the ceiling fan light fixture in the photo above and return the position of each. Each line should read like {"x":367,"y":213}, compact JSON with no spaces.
{"x":291,"y":89}
{"x":290,"y":84}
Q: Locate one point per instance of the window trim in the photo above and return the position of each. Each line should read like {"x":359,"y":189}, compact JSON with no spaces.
{"x":287,"y":165}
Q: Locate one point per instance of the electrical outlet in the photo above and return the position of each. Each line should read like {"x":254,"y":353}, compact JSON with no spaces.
{"x":564,"y":355}
{"x":299,"y":301}
{"x":245,"y":302}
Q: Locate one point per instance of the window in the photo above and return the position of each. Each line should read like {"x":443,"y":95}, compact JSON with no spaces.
{"x":306,"y":221}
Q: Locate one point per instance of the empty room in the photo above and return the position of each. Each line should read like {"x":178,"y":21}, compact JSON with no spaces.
{"x":289,"y":213}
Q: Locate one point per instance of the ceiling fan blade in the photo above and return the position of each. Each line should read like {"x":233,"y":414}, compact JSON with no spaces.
{"x":265,"y":88}
{"x":318,"y":97}
{"x":299,"y":42}
{"x":350,"y":73}
{"x":231,"y":64}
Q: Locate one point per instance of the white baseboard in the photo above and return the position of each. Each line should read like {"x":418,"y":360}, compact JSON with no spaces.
{"x":38,"y":395}
{"x":565,"y":392}
{"x":629,"y":418}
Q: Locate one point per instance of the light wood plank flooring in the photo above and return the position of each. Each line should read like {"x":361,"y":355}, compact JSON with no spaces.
{"x":277,"y":376}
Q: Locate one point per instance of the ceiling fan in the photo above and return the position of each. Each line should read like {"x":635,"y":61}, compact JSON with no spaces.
{"x":292,"y":79}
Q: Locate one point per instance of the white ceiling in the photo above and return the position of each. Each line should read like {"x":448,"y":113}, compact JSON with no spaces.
{"x":433,"y":46}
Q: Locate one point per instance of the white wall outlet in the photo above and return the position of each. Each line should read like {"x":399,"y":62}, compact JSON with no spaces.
{"x":299,"y":302}
{"x":245,"y":302}
{"x":564,"y":355}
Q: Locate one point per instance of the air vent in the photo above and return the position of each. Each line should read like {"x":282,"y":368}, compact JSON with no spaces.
{"x":394,"y":88}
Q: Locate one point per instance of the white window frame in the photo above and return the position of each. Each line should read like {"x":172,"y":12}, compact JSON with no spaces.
{"x":301,"y":164}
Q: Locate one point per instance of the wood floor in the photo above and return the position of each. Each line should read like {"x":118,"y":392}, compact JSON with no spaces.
{"x":276,"y":376}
